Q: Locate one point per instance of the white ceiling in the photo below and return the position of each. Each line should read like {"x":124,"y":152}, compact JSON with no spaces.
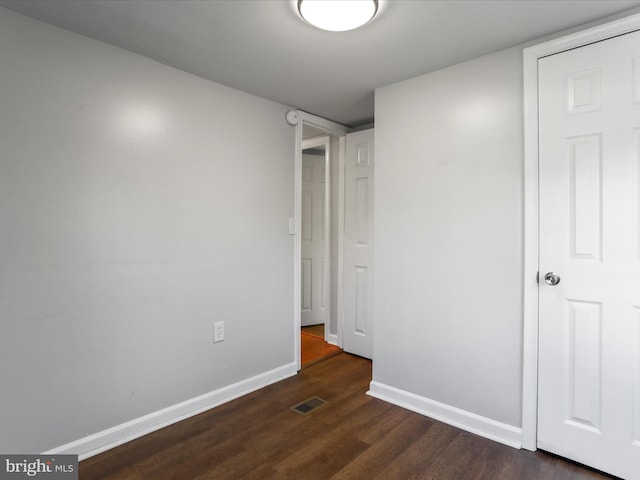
{"x":263,"y":47}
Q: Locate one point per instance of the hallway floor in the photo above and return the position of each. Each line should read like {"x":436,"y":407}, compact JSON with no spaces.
{"x":314,"y":348}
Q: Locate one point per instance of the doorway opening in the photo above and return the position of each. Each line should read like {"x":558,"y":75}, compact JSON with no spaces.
{"x":348,"y":230}
{"x":308,"y":127}
{"x":319,"y":246}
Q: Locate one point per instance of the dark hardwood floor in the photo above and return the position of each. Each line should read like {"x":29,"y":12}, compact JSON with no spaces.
{"x":353,"y":436}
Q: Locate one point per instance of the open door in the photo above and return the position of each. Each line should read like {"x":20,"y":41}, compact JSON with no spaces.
{"x":358,"y":244}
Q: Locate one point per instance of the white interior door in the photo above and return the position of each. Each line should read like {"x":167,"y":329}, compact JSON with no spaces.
{"x":589,"y":350}
{"x":358,"y":244}
{"x":315,"y":307}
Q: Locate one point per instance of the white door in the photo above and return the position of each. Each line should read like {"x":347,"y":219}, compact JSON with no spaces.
{"x":315,"y":307}
{"x":357,"y":334}
{"x":589,"y":350}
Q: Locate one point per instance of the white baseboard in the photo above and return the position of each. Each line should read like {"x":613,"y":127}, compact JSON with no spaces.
{"x":112,"y":437}
{"x":471,"y":422}
{"x":332,"y":339}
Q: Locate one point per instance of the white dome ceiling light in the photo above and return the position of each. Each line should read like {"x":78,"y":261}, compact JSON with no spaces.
{"x":337,"y":15}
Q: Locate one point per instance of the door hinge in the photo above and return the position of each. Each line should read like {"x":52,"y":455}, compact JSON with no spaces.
{"x":538,"y":277}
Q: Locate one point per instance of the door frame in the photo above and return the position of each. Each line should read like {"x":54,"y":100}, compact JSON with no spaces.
{"x":331,"y":128}
{"x":531,"y":55}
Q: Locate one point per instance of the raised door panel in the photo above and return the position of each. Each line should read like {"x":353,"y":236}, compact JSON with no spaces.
{"x":583,"y":91}
{"x":586,"y":206}
{"x":583,"y":372}
{"x":306,"y":280}
{"x":362,"y":212}
{"x":362,"y":292}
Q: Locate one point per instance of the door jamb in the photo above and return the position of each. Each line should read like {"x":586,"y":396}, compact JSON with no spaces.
{"x":531,"y":56}
{"x":331,"y":128}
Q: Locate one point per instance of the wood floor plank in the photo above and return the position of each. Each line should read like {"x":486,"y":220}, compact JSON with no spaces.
{"x":467,"y":449}
{"x":376,"y":431}
{"x":320,"y":459}
{"x":268,"y":447}
{"x":380,"y":454}
{"x":352,"y":437}
{"x":415,"y":461}
{"x":349,"y":408}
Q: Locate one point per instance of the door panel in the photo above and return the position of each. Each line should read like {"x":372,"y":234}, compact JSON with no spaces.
{"x":362,"y":295}
{"x":306,"y":297}
{"x":585,"y":161}
{"x":358,"y":244}
{"x":585,"y":355}
{"x":362,"y":211}
{"x":588,"y":389}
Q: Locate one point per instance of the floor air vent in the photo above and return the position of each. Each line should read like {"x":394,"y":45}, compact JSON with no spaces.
{"x":308,"y":405}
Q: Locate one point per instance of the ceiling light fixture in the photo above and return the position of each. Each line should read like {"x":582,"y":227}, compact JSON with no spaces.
{"x":337,"y":15}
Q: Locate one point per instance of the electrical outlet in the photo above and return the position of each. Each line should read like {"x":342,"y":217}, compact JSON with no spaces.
{"x":218,"y":332}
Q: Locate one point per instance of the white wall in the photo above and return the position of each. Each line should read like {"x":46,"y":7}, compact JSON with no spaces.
{"x":448,"y":229}
{"x":138,"y":205}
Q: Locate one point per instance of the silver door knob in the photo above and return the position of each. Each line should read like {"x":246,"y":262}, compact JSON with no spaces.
{"x":552,"y":278}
